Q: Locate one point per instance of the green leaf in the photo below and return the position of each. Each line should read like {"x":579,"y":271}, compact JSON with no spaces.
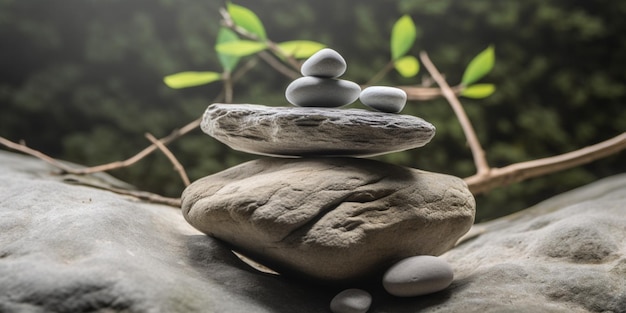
{"x":247,"y":20}
{"x":191,"y":79}
{"x":403,"y":36}
{"x":300,"y":49}
{"x":229,"y":62}
{"x":407,"y":66}
{"x":478,"y":91}
{"x":480,"y":66}
{"x":240,"y":48}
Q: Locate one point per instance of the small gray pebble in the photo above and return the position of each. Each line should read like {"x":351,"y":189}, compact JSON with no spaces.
{"x":384,"y":99}
{"x":418,"y":275}
{"x":322,"y":92}
{"x":326,"y":63}
{"x":351,"y":301}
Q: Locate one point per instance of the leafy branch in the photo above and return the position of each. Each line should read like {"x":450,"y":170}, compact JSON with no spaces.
{"x":243,"y":35}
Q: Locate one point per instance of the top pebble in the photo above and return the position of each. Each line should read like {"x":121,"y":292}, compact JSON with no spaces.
{"x":326,"y":63}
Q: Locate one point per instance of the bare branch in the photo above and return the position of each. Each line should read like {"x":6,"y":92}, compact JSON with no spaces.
{"x":24,"y":149}
{"x":228,"y":87}
{"x":141,"y":195}
{"x":478,"y":153}
{"x":521,"y":171}
{"x":147,"y":196}
{"x":378,"y":76}
{"x":426,"y":93}
{"x":145,"y":152}
{"x":278,"y":66}
{"x":177,"y":166}
{"x":104,"y":167}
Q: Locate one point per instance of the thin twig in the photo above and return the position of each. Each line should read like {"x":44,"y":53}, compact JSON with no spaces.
{"x":478,"y":153}
{"x":104,"y":167}
{"x":25,"y":149}
{"x":228,"y":87}
{"x":292,"y":72}
{"x":278,"y":66}
{"x":177,"y":166}
{"x":524,"y":170}
{"x":378,"y":76}
{"x":141,"y":195}
{"x":242,"y":70}
{"x":147,"y":196}
{"x":426,"y":93}
{"x":136,"y":158}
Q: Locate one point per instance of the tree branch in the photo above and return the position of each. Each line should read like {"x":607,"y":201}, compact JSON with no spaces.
{"x":378,"y":76}
{"x":141,"y":195}
{"x":292,"y":72}
{"x":25,"y":149}
{"x":521,"y":171}
{"x":426,"y":93}
{"x":279,"y":67}
{"x":478,"y":153}
{"x":177,"y":166}
{"x":147,"y":196}
{"x":104,"y":167}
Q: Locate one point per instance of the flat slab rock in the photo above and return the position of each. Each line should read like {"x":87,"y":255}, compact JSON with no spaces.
{"x":68,"y":248}
{"x":307,"y":131}
{"x":330,"y":219}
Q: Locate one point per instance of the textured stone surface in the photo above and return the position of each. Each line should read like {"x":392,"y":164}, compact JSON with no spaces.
{"x":324,"y":63}
{"x":383,"y":98}
{"x":312,"y":91}
{"x":293,"y":131}
{"x":67,"y":248}
{"x":332,"y":219}
{"x":567,"y":254}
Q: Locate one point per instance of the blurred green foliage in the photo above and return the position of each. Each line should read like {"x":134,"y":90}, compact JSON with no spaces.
{"x":82,"y":80}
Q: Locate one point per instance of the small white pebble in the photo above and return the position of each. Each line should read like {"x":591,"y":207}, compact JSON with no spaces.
{"x":418,"y":275}
{"x":384,"y":99}
{"x":351,"y":301}
{"x":326,"y":63}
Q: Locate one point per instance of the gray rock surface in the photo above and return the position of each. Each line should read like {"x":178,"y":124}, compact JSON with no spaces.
{"x":324,"y":63}
{"x":312,"y":91}
{"x":68,"y":248}
{"x":330,"y":219}
{"x":384,"y":99}
{"x":567,"y":254}
{"x":294,"y":131}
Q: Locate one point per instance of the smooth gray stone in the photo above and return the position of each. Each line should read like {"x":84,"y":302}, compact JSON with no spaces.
{"x":326,"y":63}
{"x":294,"y":131}
{"x":418,"y":275}
{"x":383,"y":98}
{"x":312,"y":91}
{"x":351,"y":301}
{"x":68,"y":248}
{"x":330,"y":219}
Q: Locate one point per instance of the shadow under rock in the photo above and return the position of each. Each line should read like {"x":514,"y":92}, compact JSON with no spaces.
{"x":218,"y":265}
{"x":384,"y":302}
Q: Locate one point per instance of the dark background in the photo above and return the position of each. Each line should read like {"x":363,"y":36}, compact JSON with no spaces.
{"x":82,"y":80}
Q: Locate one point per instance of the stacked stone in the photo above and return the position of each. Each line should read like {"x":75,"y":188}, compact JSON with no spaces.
{"x":316,"y":209}
{"x":321,"y":86}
